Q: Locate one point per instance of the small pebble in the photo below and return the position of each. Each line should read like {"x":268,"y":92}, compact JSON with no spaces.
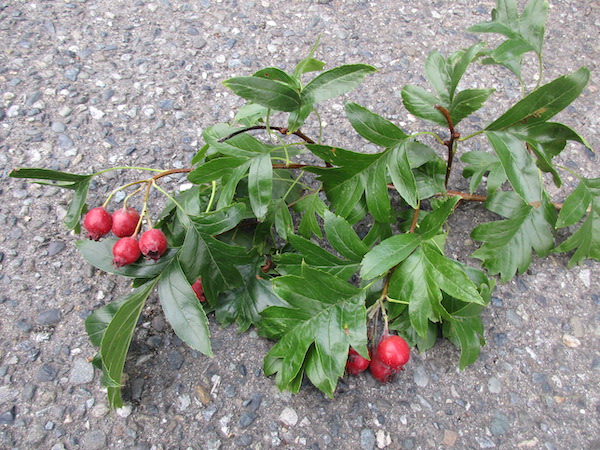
{"x":571,"y":341}
{"x":49,"y":317}
{"x":288,"y":417}
{"x":175,"y":360}
{"x":247,"y":418}
{"x":367,"y":439}
{"x":47,"y":372}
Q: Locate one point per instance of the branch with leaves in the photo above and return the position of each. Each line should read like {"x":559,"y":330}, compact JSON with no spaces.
{"x":278,"y":250}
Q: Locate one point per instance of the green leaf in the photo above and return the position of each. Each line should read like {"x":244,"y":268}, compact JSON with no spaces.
{"x":545,"y":102}
{"x":249,"y":115}
{"x":468,"y":335}
{"x":182,"y":309}
{"x":360,"y":174}
{"x":378,"y":232}
{"x":462,"y":61}
{"x":47,"y":174}
{"x":433,"y":222}
{"x":518,"y":165}
{"x":335,"y":82}
{"x":77,"y":204}
{"x":220,"y":221}
{"x":260,"y":185}
{"x":297,"y":118}
{"x":480,"y":163}
{"x":308,"y":65}
{"x":508,"y":243}
{"x":402,"y":175}
{"x":413,"y":282}
{"x":529,"y":27}
{"x":388,"y":254}
{"x":215,"y":169}
{"x":79,"y":183}
{"x":449,"y":277}
{"x":241,"y":145}
{"x":265,"y":92}
{"x":116,"y":339}
{"x":283,"y":221}
{"x":343,"y":238}
{"x":99,"y":255}
{"x":310,"y":206}
{"x":532,"y":23}
{"x":244,"y":304}
{"x":576,"y":204}
{"x":373,"y":127}
{"x":376,"y":191}
{"x":547,"y":140}
{"x":215,"y":261}
{"x":97,"y":321}
{"x":467,"y":102}
{"x":421,"y":103}
{"x":275,"y":74}
{"x":437,"y":72}
{"x":230,"y":183}
{"x":316,"y":256}
{"x":587,"y":237}
{"x":330,"y":316}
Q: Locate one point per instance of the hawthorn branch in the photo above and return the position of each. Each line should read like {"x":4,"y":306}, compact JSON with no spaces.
{"x":450,"y":143}
{"x":415,"y":219}
{"x":282,"y":130}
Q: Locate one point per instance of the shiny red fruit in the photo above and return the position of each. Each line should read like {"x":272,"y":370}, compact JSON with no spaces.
{"x":379,"y":370}
{"x":356,"y":363}
{"x":125,"y":251}
{"x":393,"y":351}
{"x":124,"y":222}
{"x":153,"y":243}
{"x":199,"y":290}
{"x":97,"y":223}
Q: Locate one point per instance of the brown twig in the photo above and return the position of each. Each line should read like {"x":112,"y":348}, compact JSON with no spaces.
{"x":483,"y":198}
{"x":450,"y":143}
{"x":282,"y":130}
{"x":415,"y":220}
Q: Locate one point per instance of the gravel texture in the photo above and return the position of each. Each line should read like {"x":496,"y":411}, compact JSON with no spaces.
{"x":86,"y":85}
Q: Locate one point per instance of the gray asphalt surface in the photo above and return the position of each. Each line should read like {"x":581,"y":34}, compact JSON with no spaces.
{"x":86,"y":85}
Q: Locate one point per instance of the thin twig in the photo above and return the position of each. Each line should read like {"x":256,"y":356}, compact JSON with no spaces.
{"x":415,"y":220}
{"x":450,"y":143}
{"x":282,"y":130}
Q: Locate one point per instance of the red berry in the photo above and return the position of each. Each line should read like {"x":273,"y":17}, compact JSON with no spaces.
{"x":97,"y":222}
{"x":125,"y":251}
{"x":379,"y":370}
{"x":153,"y":243}
{"x":393,"y":351}
{"x":199,"y":290}
{"x":124,"y":222}
{"x":356,"y":363}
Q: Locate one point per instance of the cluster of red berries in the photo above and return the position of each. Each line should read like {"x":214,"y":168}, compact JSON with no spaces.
{"x":123,"y":223}
{"x":387,"y":359}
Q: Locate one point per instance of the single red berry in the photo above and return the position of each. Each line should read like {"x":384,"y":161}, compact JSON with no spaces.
{"x":199,"y":290}
{"x":97,"y":222}
{"x":126,"y":251}
{"x":124,"y":222}
{"x":379,"y":370}
{"x":153,"y":243}
{"x":393,"y":351}
{"x":356,"y":363}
